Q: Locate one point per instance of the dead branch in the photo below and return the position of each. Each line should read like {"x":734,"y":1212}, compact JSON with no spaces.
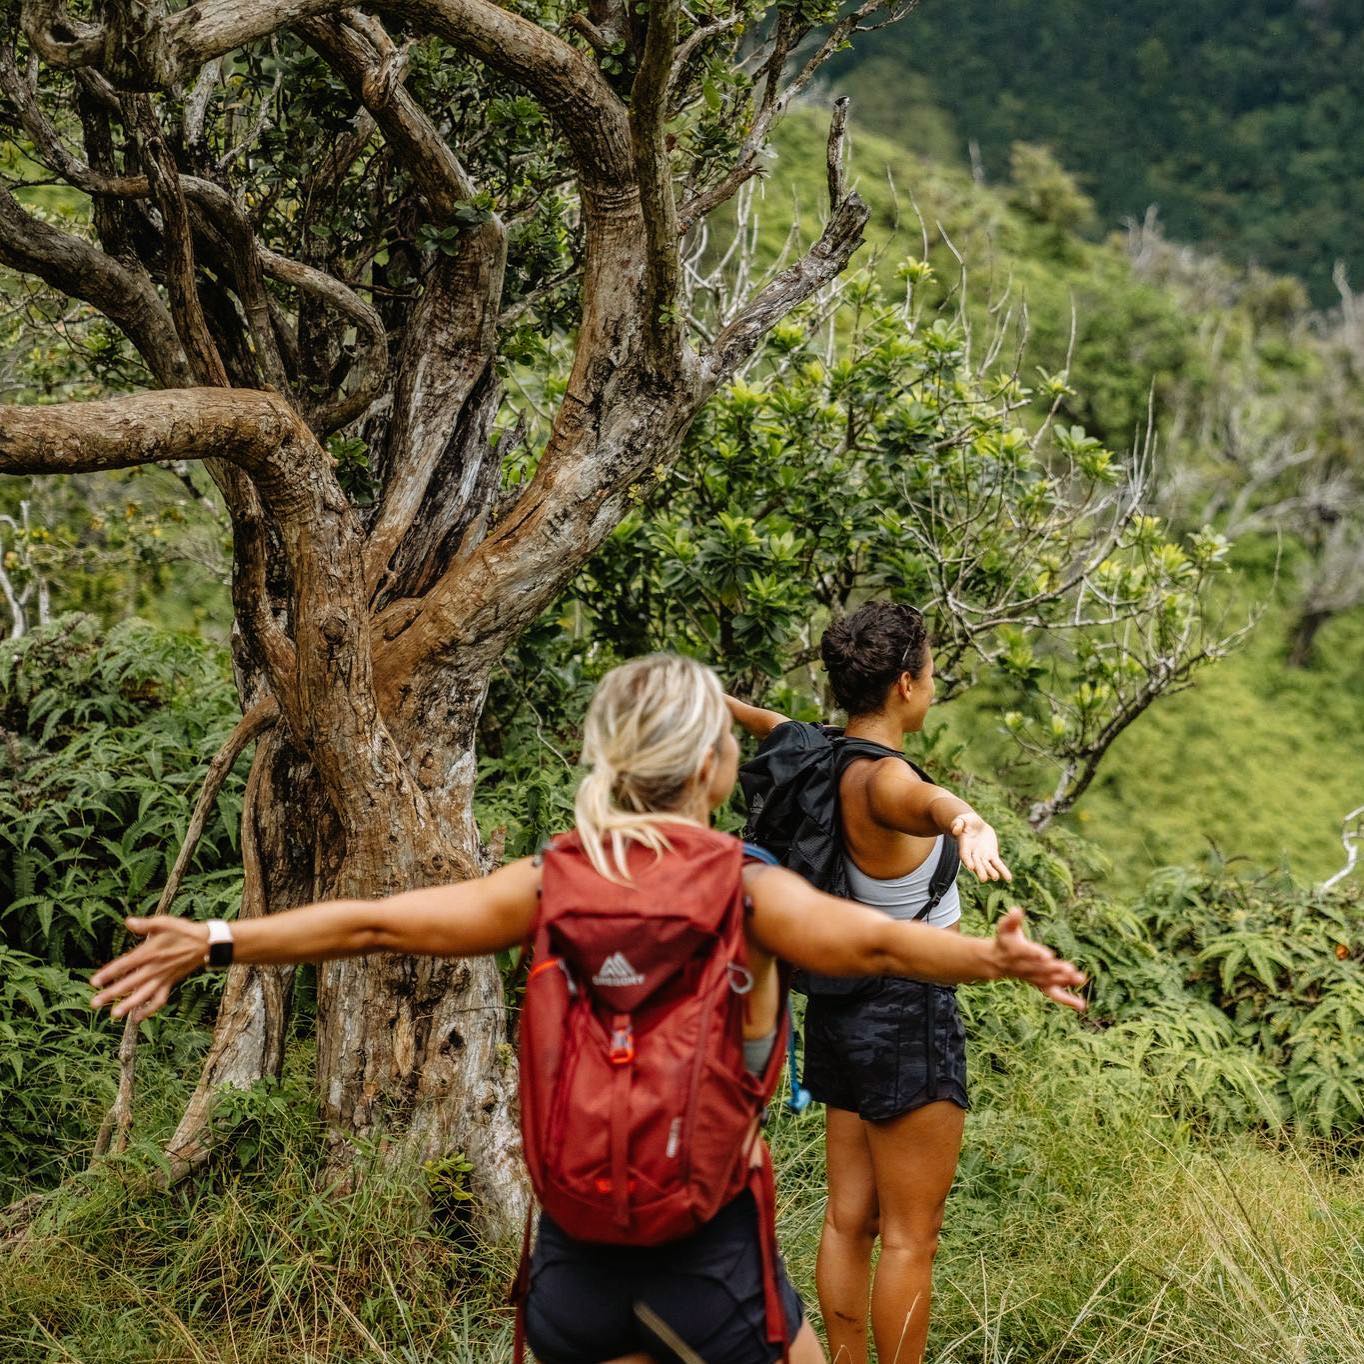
{"x":1351,"y":832}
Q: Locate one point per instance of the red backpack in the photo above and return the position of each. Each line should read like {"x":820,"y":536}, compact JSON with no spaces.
{"x":638,"y":1115}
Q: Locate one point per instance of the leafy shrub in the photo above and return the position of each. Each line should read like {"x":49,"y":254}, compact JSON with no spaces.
{"x":54,"y":1074}
{"x":104,"y":740}
{"x":1236,"y":1004}
{"x":102,"y":744}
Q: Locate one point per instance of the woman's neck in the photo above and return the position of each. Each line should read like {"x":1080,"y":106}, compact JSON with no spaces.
{"x":880,"y":729}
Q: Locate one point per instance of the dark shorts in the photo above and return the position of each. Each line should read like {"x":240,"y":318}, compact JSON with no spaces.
{"x":893,"y":1047}
{"x":588,"y":1303}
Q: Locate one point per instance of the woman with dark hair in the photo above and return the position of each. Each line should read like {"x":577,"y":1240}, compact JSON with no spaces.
{"x":888,"y":1061}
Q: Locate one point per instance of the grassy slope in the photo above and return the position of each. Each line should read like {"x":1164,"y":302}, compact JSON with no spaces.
{"x":1261,"y":759}
{"x":1085,"y":1228}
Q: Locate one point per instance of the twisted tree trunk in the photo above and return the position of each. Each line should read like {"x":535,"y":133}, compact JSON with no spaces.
{"x":374,"y":626}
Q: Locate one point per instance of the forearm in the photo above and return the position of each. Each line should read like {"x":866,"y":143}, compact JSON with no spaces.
{"x":322,"y":932}
{"x":944,"y":809}
{"x":917,"y":950}
{"x":756,"y":720}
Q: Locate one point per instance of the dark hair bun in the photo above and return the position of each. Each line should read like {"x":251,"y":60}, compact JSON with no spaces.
{"x":866,"y":652}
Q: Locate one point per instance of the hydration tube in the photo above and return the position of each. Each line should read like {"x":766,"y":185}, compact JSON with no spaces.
{"x":799,"y":1099}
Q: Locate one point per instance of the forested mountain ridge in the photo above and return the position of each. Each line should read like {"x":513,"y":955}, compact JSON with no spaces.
{"x":1238,"y":120}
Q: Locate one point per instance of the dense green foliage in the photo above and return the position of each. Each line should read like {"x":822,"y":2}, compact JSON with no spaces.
{"x":885,"y":459}
{"x":1232,"y":361}
{"x":1237,"y":119}
{"x":103,"y":738}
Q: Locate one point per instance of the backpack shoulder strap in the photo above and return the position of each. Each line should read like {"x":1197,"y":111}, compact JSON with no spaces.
{"x":753,"y":853}
{"x":944,"y":875}
{"x":849,"y":750}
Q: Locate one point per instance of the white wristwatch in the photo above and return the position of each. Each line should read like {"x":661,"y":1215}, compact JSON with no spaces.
{"x":219,"y":951}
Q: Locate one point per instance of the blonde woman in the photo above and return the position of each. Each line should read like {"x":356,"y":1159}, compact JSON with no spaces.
{"x":661,"y":758}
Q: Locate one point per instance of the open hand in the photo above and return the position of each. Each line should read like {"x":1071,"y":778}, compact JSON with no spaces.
{"x":142,"y":979}
{"x":1018,"y":956}
{"x":978,"y":845}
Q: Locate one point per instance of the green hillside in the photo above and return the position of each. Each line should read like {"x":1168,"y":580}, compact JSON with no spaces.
{"x":1238,"y":120}
{"x":1259,"y":759}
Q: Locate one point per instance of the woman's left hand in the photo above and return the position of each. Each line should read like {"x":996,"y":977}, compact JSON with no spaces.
{"x":141,"y":980}
{"x":978,"y":846}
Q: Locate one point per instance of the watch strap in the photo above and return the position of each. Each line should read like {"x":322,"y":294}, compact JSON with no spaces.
{"x":219,"y":943}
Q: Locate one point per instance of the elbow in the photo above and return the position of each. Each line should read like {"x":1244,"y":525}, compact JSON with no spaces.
{"x":873,"y":953}
{"x":372,"y":931}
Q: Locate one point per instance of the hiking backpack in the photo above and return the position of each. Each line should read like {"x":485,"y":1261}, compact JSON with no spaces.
{"x":790,"y":787}
{"x":639,"y":1117}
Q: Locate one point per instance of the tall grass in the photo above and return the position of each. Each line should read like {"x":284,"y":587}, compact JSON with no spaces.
{"x":1090,"y":1226}
{"x":1087,"y":1227}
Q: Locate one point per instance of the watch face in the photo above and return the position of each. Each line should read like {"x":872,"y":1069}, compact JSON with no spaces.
{"x":220,"y":953}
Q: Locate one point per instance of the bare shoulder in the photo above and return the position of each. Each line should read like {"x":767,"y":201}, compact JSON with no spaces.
{"x":888,"y":779}
{"x":766,"y":884}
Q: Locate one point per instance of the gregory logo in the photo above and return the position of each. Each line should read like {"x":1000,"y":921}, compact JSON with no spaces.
{"x":616,"y":970}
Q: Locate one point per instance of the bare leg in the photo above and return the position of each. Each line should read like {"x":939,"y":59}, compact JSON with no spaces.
{"x":843,"y":1269}
{"x":915,"y":1160}
{"x":806,"y":1349}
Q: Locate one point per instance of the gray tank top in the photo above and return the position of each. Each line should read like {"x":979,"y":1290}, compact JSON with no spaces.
{"x":758,"y":1051}
{"x":902,"y":897}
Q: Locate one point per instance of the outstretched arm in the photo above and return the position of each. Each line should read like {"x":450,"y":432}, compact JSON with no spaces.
{"x":464,"y":920}
{"x":900,"y":799}
{"x":794,"y":921}
{"x":757,"y":721}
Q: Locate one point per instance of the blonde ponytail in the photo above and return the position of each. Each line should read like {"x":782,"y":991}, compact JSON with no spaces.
{"x":650,"y":726}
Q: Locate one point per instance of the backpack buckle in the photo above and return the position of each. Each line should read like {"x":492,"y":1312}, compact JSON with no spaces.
{"x":622,"y":1045}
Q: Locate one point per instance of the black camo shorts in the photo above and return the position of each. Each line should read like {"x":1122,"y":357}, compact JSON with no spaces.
{"x":894,"y":1046}
{"x":700,"y":1298}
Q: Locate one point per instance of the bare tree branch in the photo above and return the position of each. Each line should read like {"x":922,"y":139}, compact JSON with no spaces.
{"x":1351,"y":832}
{"x":449,"y":341}
{"x":187,"y":312}
{"x":329,"y":702}
{"x":842,"y":236}
{"x":648,"y":127}
{"x":76,"y":268}
{"x":113,"y":1132}
{"x":571,"y":87}
{"x":356,"y":47}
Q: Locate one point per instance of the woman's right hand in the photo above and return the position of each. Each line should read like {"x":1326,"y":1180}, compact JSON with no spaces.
{"x":1018,"y":956}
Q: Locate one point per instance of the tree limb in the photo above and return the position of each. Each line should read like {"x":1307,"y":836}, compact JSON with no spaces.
{"x":571,"y":87}
{"x":842,"y":236}
{"x":329,"y":702}
{"x":369,"y":370}
{"x":113,"y":1132}
{"x":450,"y":340}
{"x":187,"y":312}
{"x":356,"y":47}
{"x":76,"y":268}
{"x":648,"y":127}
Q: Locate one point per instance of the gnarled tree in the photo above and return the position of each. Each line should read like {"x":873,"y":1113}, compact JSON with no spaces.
{"x":331,"y":237}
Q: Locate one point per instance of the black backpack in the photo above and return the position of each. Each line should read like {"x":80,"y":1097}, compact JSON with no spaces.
{"x":790,"y":787}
